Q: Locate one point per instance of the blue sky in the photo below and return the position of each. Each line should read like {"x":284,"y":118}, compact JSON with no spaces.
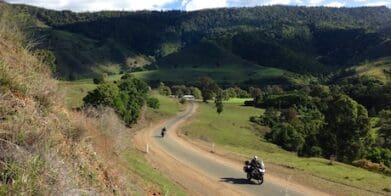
{"x":189,"y":5}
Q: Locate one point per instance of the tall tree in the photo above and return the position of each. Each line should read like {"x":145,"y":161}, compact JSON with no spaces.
{"x":164,"y":90}
{"x":219,"y":102}
{"x":256,"y":94}
{"x":348,"y":127}
{"x":196,"y":92}
{"x":385,"y":128}
{"x":208,"y":88}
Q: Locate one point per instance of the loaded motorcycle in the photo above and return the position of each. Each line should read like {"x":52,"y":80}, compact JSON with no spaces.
{"x":255,"y":173}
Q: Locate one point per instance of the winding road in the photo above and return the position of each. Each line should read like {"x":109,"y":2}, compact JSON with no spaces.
{"x":201,"y":172}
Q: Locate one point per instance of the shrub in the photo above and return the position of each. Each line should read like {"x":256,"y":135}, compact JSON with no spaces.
{"x":182,"y":101}
{"x":379,"y":155}
{"x":101,"y":78}
{"x":153,"y":103}
{"x":369,"y":165}
{"x":249,"y":103}
{"x":287,"y":137}
{"x":316,"y":151}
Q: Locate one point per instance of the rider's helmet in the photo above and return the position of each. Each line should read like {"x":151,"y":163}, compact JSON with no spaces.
{"x":255,"y":158}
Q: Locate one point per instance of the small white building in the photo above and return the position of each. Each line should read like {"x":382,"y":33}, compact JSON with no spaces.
{"x":189,"y":97}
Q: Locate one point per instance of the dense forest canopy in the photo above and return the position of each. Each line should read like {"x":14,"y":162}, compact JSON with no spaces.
{"x":310,"y":40}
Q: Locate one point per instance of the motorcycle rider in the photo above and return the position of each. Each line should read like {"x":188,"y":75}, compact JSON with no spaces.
{"x":255,"y":169}
{"x":255,"y":163}
{"x":163,"y":131}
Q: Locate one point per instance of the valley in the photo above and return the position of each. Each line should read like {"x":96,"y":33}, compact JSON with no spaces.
{"x":84,"y":97}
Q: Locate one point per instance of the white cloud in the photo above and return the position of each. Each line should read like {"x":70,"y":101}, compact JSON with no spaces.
{"x":315,"y":2}
{"x":191,"y":5}
{"x":97,"y":5}
{"x":335,"y":4}
{"x":378,"y":3}
{"x":298,"y":2}
{"x":277,"y":2}
{"x":251,"y":3}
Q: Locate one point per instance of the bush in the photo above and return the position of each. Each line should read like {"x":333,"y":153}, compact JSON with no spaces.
{"x":182,"y":101}
{"x":379,"y":155}
{"x":369,"y":165}
{"x":316,"y":151}
{"x":153,"y":103}
{"x":249,"y":103}
{"x":255,"y":119}
{"x":101,"y":78}
{"x":287,"y":137}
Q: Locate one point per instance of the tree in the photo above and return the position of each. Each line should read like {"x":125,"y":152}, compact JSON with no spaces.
{"x":104,"y":94}
{"x":180,"y":90}
{"x":256,"y":94}
{"x":219,"y":102}
{"x":225,"y":95}
{"x":385,"y":128}
{"x":313,"y":122}
{"x":208,"y":88}
{"x":241,"y":93}
{"x":153,"y":103}
{"x":164,"y":90}
{"x":273,"y":90}
{"x":347,"y":129}
{"x":289,"y":114}
{"x":287,"y":136}
{"x":270,"y":118}
{"x":231,"y":92}
{"x":127,"y":97}
{"x":196,"y":92}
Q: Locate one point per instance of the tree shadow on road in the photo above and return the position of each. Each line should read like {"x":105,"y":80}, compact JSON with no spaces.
{"x":237,"y":181}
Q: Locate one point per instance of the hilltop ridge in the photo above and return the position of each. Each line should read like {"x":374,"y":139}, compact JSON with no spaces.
{"x":304,"y":40}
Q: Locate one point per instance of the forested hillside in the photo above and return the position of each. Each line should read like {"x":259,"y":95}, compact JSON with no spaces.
{"x":305,"y":40}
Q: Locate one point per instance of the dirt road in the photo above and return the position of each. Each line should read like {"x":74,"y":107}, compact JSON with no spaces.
{"x":201,"y":172}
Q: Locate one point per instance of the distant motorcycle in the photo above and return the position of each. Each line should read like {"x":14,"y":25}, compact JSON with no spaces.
{"x":255,"y":173}
{"x":163,"y":131}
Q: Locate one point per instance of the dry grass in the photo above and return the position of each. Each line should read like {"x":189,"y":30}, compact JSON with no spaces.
{"x":45,"y":149}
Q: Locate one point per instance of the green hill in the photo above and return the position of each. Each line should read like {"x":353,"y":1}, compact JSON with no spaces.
{"x":302,"y":40}
{"x":380,"y":69}
{"x":376,"y":70}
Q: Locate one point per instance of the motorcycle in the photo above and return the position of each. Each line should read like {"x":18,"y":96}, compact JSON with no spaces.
{"x":254,"y":173}
{"x":163,"y":132}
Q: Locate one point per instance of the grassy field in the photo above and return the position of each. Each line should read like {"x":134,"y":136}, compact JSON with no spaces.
{"x":76,"y":91}
{"x":380,"y":69}
{"x":237,"y":100}
{"x":168,"y":108}
{"x":233,"y":132}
